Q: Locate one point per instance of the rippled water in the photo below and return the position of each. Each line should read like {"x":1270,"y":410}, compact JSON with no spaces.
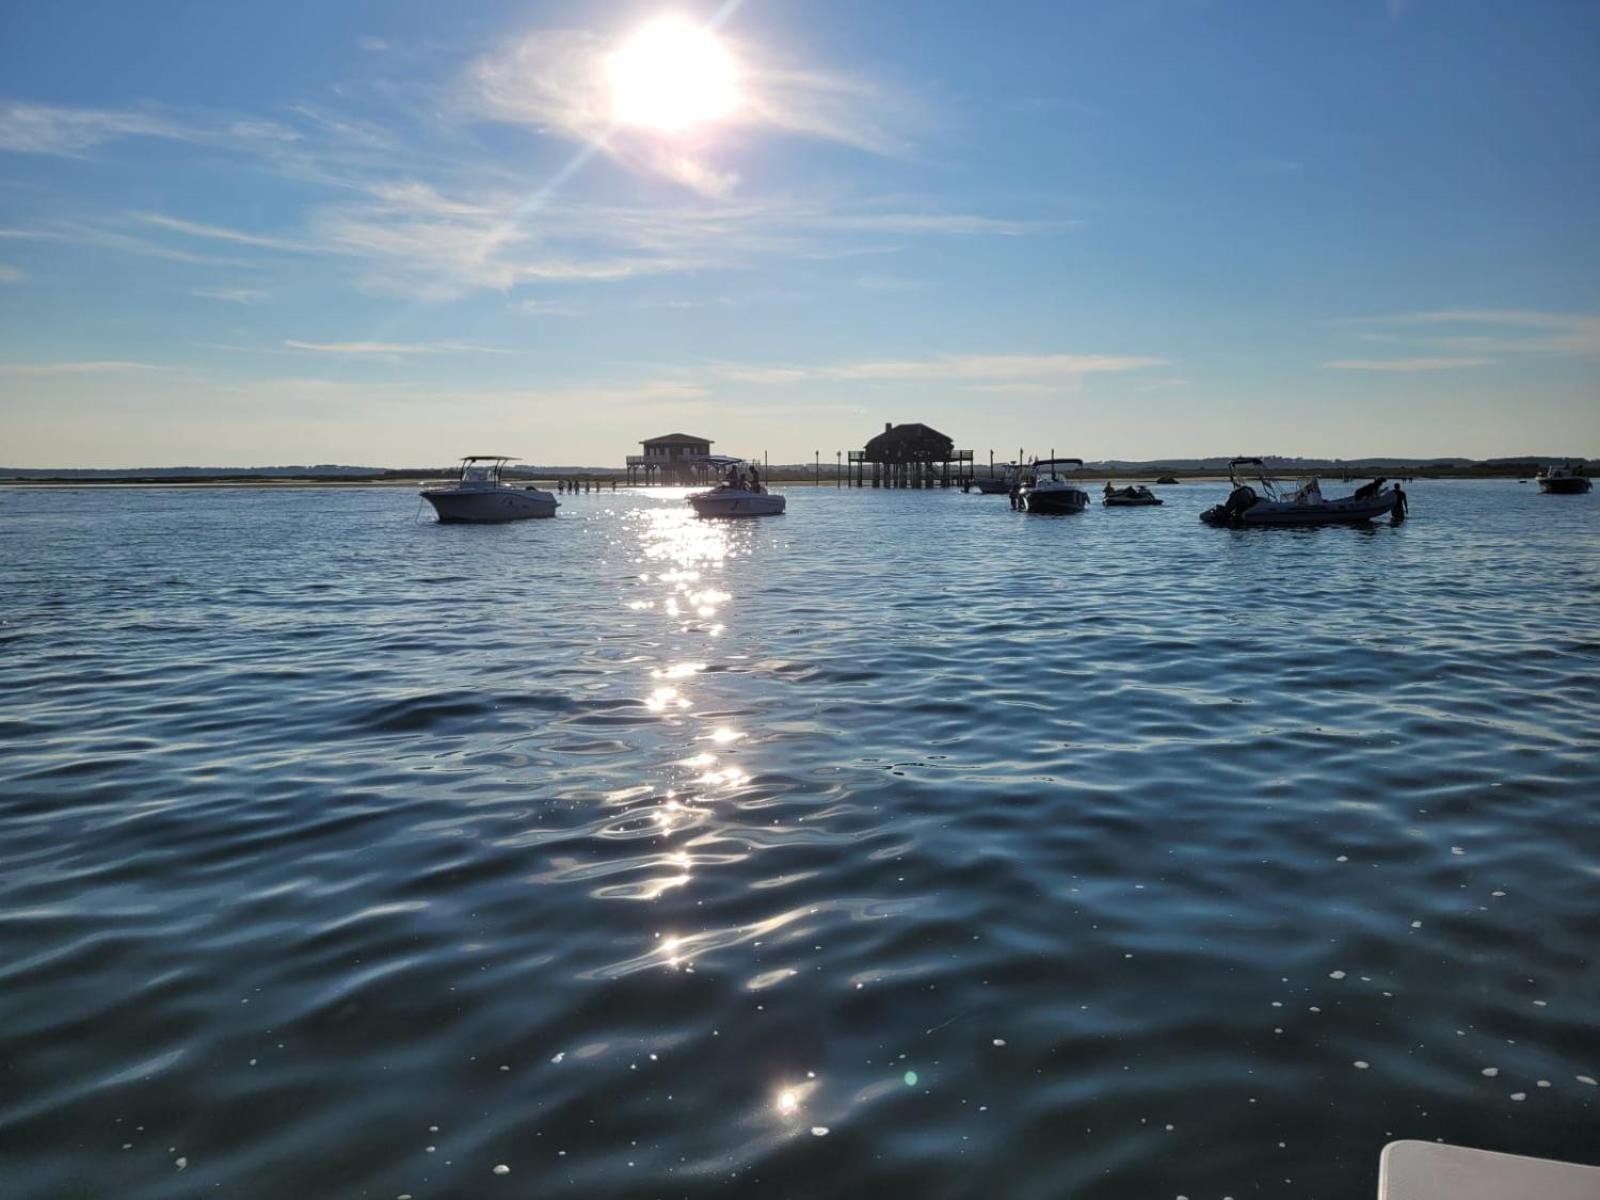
{"x":901,"y":846}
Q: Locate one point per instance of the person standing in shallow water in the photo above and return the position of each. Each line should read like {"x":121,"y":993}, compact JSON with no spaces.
{"x":1401,"y":506}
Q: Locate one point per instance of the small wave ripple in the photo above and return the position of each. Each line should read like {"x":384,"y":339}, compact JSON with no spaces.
{"x":901,"y":846}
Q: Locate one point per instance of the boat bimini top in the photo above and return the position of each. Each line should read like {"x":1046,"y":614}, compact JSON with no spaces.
{"x":1050,"y":464}
{"x":1268,"y":487}
{"x":472,"y":470}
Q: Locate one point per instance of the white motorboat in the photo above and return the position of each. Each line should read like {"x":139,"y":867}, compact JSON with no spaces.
{"x":1004,"y":484}
{"x":737,"y":496}
{"x":1261,"y":503}
{"x":1050,"y":491}
{"x":479,"y":495}
{"x":1135,"y":495}
{"x":1566,"y":480}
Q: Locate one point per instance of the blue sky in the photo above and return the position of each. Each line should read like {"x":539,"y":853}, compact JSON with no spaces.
{"x":391,"y":233}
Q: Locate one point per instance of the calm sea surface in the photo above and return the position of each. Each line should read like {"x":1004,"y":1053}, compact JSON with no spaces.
{"x":900,"y":846}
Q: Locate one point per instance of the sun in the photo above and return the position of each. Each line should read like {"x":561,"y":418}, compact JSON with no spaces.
{"x":672,"y":75}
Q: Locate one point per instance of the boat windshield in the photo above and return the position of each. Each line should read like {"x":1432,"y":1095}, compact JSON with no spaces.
{"x":1055,"y":468}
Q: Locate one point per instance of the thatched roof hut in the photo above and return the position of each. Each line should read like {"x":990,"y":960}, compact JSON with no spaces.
{"x":908,"y":444}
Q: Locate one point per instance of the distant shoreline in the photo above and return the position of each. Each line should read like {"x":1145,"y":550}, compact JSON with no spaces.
{"x":603,"y":481}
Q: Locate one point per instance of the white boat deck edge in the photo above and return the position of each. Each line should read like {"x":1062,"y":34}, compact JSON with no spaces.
{"x":1410,"y":1170}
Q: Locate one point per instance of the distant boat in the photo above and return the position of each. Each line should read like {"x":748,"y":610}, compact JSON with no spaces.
{"x":736,"y":499}
{"x":1167,"y":480}
{"x":1266,"y":507}
{"x":1050,"y":492}
{"x":479,"y":495}
{"x":1133,"y":496}
{"x":1565,"y":480}
{"x":1001,"y":486}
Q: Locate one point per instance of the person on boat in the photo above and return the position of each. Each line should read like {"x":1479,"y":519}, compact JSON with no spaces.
{"x":1401,"y":506}
{"x":755,"y":478}
{"x":733,"y":476}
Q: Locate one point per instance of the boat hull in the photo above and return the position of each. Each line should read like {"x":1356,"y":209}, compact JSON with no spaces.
{"x":1267,"y":514}
{"x":1571,"y":485}
{"x":492,"y":506}
{"x":1055,"y":502}
{"x":991,"y":487}
{"x":737,"y":504}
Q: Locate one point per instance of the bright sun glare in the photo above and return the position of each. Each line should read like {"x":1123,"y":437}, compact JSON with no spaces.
{"x":671,"y":75}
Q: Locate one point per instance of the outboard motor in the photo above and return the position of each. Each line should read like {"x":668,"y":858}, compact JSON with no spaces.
{"x":1239,"y":500}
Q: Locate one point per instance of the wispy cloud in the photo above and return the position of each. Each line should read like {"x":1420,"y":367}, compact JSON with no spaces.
{"x":978,"y":371}
{"x":99,"y":367}
{"x":223,"y":234}
{"x":233,"y":295}
{"x":100,"y":237}
{"x":1408,"y":365}
{"x":410,"y":214}
{"x":392,"y":348}
{"x":547,"y":308}
{"x":69,"y":132}
{"x":10,"y":274}
{"x":1495,"y":330}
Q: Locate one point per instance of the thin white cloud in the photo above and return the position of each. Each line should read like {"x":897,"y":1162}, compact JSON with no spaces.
{"x":93,"y":367}
{"x":263,"y":131}
{"x":10,"y":274}
{"x":547,"y":308}
{"x":419,"y":241}
{"x":414,"y":216}
{"x":980,"y":371}
{"x":221,"y":233}
{"x":394,"y":347}
{"x":1022,"y":389}
{"x":912,"y":224}
{"x":828,"y":107}
{"x":1408,"y":365}
{"x":1499,"y":330}
{"x":233,"y":295}
{"x":77,"y":233}
{"x":69,"y":132}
